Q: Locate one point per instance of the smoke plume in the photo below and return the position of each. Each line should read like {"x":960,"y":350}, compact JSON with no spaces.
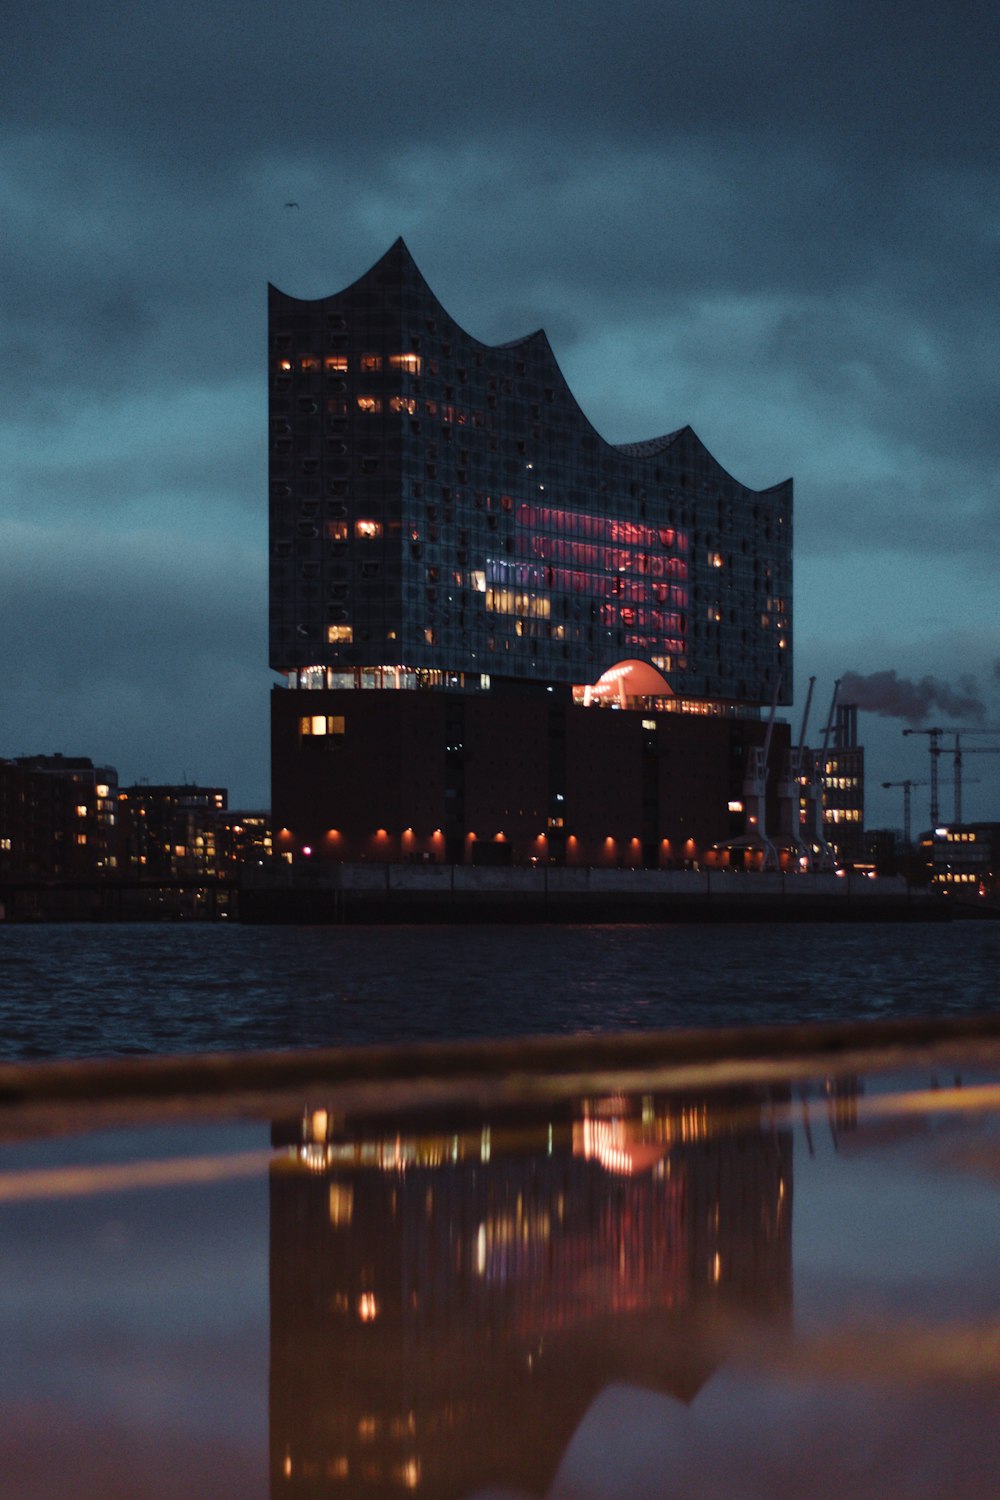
{"x":898,"y":698}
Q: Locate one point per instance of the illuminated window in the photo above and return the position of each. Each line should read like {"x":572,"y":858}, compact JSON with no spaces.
{"x":81,"y":838}
{"x":403,"y":403}
{"x":320,"y":724}
{"x":339,"y":634}
{"x":308,"y":362}
{"x":336,"y":363}
{"x":370,"y":405}
{"x":408,"y":362}
{"x":511,"y":602}
{"x":336,"y":531}
{"x":81,"y":811}
{"x":371,"y":362}
{"x":715,"y":559}
{"x":367,"y":528}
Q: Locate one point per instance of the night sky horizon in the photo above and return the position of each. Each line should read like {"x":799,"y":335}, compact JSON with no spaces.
{"x":773,"y":223}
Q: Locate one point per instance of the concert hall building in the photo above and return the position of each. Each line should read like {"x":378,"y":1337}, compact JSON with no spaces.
{"x":502,"y":638}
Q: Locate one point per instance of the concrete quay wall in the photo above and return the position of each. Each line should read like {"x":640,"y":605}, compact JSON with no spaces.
{"x":468,"y":893}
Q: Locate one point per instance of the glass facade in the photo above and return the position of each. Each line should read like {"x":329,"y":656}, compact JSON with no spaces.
{"x":443,"y":514}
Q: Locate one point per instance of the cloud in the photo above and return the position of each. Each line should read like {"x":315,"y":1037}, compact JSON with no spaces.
{"x":770,"y":222}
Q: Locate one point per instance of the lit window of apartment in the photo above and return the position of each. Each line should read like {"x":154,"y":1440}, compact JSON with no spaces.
{"x":409,"y":362}
{"x":322,"y":724}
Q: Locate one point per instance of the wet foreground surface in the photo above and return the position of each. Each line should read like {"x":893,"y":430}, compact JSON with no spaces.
{"x":766,"y":1278}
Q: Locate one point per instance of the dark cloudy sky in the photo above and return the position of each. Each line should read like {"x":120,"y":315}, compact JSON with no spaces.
{"x":776,"y":221}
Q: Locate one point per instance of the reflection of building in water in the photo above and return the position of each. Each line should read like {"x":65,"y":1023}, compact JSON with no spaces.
{"x":444,"y":1308}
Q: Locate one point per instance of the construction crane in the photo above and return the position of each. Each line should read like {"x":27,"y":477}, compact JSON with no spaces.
{"x":972,"y":750}
{"x":935,"y":749}
{"x":907,"y":788}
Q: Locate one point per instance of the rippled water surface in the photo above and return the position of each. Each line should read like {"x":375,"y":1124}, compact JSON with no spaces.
{"x":75,"y":991}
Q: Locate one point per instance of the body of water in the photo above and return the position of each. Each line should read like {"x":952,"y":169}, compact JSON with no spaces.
{"x":87,"y":991}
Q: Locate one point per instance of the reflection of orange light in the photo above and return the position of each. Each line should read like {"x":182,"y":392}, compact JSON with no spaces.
{"x":470,"y":837}
{"x":284,"y":833}
{"x":635,"y":843}
{"x":499,"y":838}
{"x":437,"y":834}
{"x":333,"y":833}
{"x":380,"y":833}
{"x":609,"y":839}
{"x":367,"y":1307}
{"x":690,"y":844}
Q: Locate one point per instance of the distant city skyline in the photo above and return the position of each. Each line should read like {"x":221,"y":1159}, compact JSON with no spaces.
{"x":772,"y":225}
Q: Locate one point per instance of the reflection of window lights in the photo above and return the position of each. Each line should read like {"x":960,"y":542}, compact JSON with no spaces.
{"x":368,"y":529}
{"x":339,"y":634}
{"x":408,"y":362}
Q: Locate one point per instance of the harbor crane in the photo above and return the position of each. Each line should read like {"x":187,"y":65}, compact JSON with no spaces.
{"x":798,"y":771}
{"x":755,"y":797}
{"x":823,"y":856}
{"x":907,"y":789}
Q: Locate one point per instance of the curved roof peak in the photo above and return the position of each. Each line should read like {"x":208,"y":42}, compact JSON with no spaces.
{"x":649,"y":447}
{"x":397,"y":263}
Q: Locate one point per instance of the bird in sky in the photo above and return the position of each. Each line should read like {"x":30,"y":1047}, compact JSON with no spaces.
{"x":291,"y":205}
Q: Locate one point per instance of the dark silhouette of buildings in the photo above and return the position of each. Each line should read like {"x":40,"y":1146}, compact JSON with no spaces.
{"x":76,"y":845}
{"x":463,"y":572}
